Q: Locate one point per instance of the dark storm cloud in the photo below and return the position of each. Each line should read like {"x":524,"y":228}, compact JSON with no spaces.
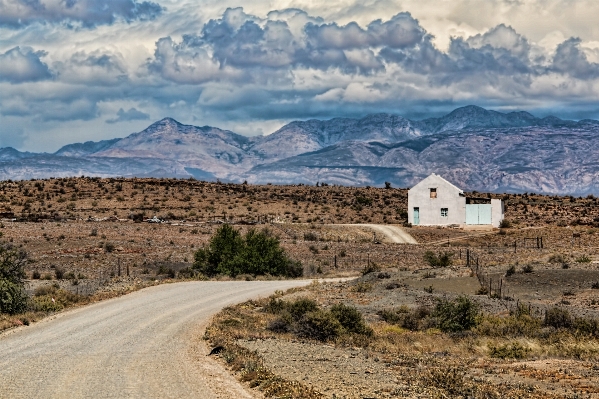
{"x":570,"y":60}
{"x":23,"y":64}
{"x":88,"y":13}
{"x":131,"y":115}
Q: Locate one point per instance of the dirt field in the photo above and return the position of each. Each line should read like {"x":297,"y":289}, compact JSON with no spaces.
{"x":92,"y":235}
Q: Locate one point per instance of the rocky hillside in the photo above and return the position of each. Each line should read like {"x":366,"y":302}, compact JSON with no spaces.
{"x":475,"y":148}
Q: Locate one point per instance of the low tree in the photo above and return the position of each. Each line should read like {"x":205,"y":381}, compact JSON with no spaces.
{"x":256,"y":253}
{"x":456,"y":315}
{"x":12,"y":294}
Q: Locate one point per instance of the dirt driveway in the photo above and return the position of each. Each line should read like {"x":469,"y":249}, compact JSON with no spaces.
{"x":394,"y":234}
{"x":141,"y":345}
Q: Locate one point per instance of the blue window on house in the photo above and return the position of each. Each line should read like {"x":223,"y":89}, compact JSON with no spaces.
{"x":444,"y":212}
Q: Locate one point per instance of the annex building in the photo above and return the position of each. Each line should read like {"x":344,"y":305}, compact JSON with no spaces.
{"x":436,"y":202}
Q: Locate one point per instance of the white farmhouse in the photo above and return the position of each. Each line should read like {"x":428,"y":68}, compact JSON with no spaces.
{"x":436,"y":202}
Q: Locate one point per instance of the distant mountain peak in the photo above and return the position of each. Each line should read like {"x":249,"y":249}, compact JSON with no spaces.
{"x":166,"y":121}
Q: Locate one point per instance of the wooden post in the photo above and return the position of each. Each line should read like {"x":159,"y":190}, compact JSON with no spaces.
{"x":335,"y":261}
{"x":468,"y":257}
{"x":490,"y":287}
{"x":541,"y":242}
{"x":500,"y":287}
{"x":119,"y":274}
{"x":127,"y":270}
{"x":514,"y":246}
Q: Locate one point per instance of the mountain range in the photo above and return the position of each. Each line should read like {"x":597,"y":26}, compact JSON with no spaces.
{"x":475,"y":148}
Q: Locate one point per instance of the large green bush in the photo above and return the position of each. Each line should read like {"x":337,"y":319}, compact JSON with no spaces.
{"x":456,"y":315}
{"x":12,"y":295}
{"x":320,"y":325}
{"x":256,"y":253}
{"x":351,"y":319}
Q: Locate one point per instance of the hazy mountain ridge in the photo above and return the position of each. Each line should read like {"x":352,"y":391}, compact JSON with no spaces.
{"x":473,"y":147}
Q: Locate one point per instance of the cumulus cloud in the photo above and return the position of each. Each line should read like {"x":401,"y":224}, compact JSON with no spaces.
{"x":131,"y":115}
{"x":241,"y":67}
{"x":95,"y":68}
{"x":88,"y":13}
{"x":571,"y":60}
{"x":23,"y":64}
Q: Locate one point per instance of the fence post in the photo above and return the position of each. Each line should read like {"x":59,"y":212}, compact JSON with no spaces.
{"x":335,"y":261}
{"x":119,"y":261}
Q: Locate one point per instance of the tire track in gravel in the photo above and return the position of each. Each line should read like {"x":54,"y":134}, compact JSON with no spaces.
{"x":141,"y":345}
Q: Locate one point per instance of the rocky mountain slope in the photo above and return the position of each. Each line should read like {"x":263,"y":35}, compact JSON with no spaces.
{"x":475,"y":148}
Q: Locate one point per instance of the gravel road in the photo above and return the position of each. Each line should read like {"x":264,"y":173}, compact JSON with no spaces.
{"x":141,"y":345}
{"x":395,"y":234}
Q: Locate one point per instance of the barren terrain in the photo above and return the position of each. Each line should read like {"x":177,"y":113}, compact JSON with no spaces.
{"x":92,"y":237}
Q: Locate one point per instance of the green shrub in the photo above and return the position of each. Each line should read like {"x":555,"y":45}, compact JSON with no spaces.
{"x":12,"y":262}
{"x":528,"y":268}
{"x":362,"y":287}
{"x":586,"y":326}
{"x":583,"y":259}
{"x":456,"y":315}
{"x":558,"y":318}
{"x":371,"y":268}
{"x":319,"y":325}
{"x":310,"y":236}
{"x":42,"y":298}
{"x":438,"y":260}
{"x":509,"y":351}
{"x":505,"y":224}
{"x":557,"y":258}
{"x":351,"y":319}
{"x":256,"y":253}
{"x":510,"y":271}
{"x":411,"y":319}
{"x":12,"y":297}
{"x":301,"y":306}
{"x":12,"y":294}
{"x":523,"y":325}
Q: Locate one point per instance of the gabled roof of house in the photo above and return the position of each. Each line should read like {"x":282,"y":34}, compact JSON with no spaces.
{"x":433,"y":176}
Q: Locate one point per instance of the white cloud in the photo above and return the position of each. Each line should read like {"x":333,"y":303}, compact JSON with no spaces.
{"x":277,"y":60}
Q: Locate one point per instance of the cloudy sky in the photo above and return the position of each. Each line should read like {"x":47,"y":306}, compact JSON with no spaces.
{"x":78,"y":70}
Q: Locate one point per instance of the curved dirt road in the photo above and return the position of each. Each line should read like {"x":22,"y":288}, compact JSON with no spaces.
{"x":395,"y":234}
{"x":141,"y":345}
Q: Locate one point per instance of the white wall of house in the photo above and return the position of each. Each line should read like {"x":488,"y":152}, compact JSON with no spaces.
{"x":497,"y":212}
{"x":448,"y":205}
{"x":431,"y":209}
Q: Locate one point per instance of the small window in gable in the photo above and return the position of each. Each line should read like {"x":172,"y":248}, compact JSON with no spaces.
{"x":444,"y":212}
{"x":433,"y":193}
